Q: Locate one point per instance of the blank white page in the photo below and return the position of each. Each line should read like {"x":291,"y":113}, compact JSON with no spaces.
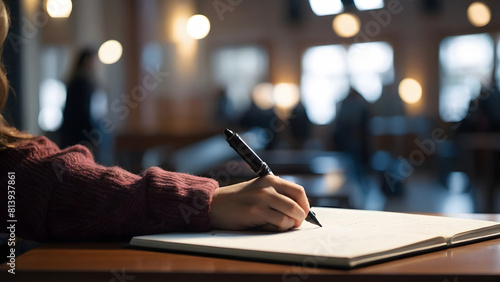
{"x":348,"y":237}
{"x":402,"y":222}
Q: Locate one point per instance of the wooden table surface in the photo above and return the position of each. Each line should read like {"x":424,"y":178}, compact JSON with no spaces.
{"x":115,"y":262}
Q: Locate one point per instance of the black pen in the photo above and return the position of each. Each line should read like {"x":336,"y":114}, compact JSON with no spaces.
{"x":256,"y":163}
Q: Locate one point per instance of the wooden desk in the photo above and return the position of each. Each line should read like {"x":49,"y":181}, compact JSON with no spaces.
{"x":111,"y":262}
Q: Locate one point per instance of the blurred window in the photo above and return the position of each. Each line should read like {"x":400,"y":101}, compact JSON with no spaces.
{"x":52,"y":89}
{"x":332,"y":7}
{"x":369,"y":4}
{"x":497,"y":74}
{"x":328,"y":71}
{"x":326,"y":7}
{"x":238,"y":70}
{"x":371,"y":66}
{"x":466,"y":62}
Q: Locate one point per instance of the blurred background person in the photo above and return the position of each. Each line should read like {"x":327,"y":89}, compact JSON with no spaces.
{"x":77,"y":119}
{"x":351,"y":132}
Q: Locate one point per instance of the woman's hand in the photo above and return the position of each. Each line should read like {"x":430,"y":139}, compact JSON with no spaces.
{"x":269,"y":203}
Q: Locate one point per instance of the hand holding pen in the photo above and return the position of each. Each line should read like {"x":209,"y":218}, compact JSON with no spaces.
{"x":269,"y":202}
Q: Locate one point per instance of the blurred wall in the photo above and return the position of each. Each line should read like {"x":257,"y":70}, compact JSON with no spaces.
{"x":183,"y":99}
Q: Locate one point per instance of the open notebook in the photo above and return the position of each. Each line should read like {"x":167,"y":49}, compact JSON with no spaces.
{"x":348,"y":238}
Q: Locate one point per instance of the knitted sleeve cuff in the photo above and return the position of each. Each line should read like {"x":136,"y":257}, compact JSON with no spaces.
{"x":181,"y":202}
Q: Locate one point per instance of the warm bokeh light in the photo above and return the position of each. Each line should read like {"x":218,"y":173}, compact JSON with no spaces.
{"x":198,"y":26}
{"x":334,"y":181}
{"x":286,"y":95}
{"x":286,"y":98}
{"x":410,"y":90}
{"x":110,"y":52}
{"x":59,"y":8}
{"x":479,"y":14}
{"x":262,"y":96}
{"x":346,"y":25}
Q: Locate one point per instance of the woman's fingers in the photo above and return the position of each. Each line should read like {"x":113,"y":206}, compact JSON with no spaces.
{"x":278,"y":221}
{"x":287,"y":207}
{"x":289,"y":189}
{"x":268,"y":202}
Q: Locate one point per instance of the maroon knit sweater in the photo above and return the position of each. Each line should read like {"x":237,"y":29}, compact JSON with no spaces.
{"x":63,"y":195}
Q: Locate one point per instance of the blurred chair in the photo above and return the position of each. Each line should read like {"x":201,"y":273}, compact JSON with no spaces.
{"x":200,"y":157}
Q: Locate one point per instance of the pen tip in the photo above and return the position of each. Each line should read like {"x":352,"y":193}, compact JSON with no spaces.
{"x":228,"y":133}
{"x":315,"y":221}
{"x":311,"y":217}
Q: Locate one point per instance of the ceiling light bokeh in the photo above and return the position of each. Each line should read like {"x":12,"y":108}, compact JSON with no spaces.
{"x":198,"y":26}
{"x":363,"y":5}
{"x":286,"y":98}
{"x":59,"y":8}
{"x":478,"y":14}
{"x":410,"y":90}
{"x":326,"y":7}
{"x":110,"y":52}
{"x":262,"y":96}
{"x":286,"y":95}
{"x":346,"y":25}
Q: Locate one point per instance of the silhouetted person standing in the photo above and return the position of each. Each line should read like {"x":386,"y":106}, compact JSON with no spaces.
{"x":77,"y":118}
{"x":351,"y":131}
{"x":300,"y":126}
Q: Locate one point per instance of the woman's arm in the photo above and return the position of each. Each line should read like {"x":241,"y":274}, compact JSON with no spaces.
{"x":63,"y":195}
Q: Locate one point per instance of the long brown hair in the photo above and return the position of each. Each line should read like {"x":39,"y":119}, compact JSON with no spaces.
{"x":9,"y":136}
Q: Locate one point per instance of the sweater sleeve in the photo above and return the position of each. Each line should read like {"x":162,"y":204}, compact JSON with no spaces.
{"x":65,"y":196}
